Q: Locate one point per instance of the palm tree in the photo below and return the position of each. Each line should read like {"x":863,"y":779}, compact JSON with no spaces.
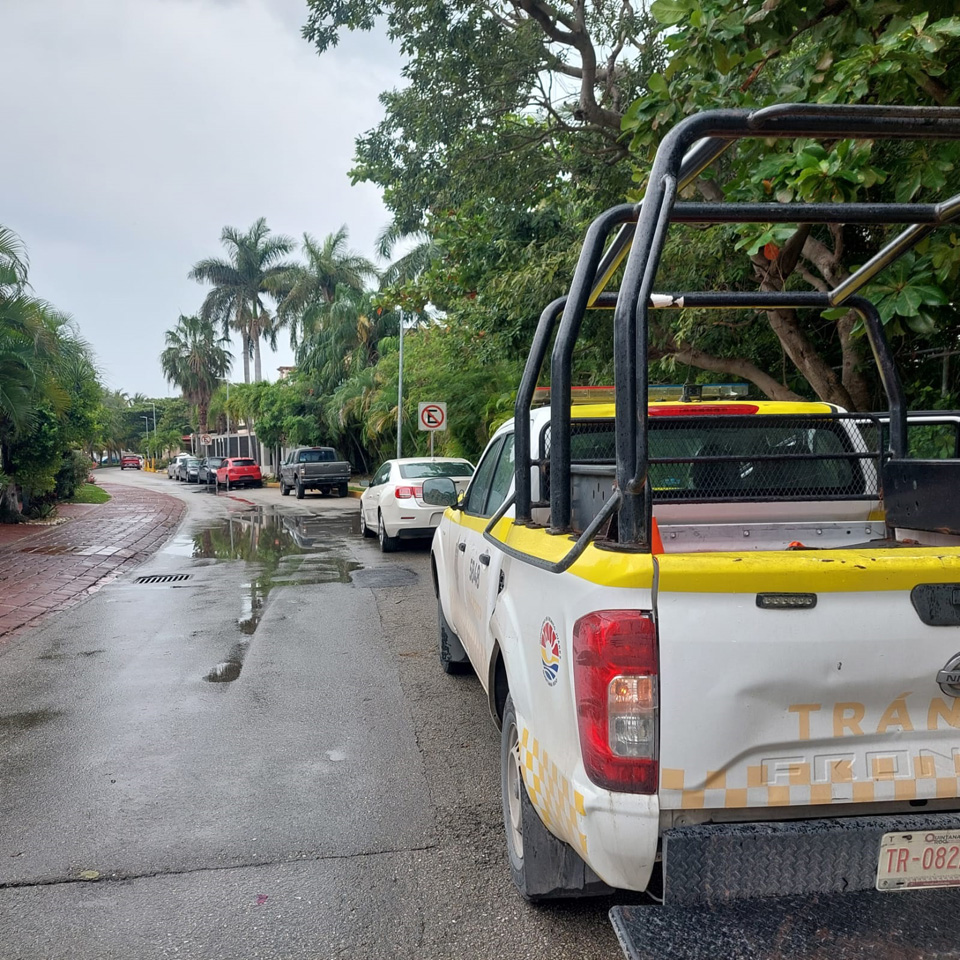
{"x":29,"y":340}
{"x":253,"y":268}
{"x":313,"y":293}
{"x":409,"y":266}
{"x":196,"y":360}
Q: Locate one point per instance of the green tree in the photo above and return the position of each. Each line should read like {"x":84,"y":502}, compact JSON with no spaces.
{"x":196,"y":359}
{"x":48,"y":386}
{"x":496,"y":135}
{"x":747,"y":53}
{"x":320,"y":290}
{"x":496,"y":93}
{"x":253,"y":269}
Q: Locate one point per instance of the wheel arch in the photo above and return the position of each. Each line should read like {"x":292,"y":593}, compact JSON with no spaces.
{"x":498,"y":685}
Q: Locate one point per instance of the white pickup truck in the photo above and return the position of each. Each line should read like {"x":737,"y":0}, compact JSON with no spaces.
{"x":721,"y":637}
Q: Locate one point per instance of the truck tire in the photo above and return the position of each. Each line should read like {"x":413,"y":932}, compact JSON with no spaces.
{"x":284,"y":489}
{"x":387,"y":544}
{"x":543,"y":867}
{"x":344,"y":489}
{"x":299,"y":486}
{"x":324,"y":491}
{"x":453,"y":658}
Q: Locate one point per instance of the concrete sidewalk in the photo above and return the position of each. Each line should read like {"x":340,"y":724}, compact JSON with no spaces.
{"x":46,"y":568}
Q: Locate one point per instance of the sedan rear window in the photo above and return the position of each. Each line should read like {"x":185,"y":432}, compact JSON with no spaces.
{"x":430,"y":468}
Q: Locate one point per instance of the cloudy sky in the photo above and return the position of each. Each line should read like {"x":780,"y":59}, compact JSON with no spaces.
{"x":137,"y":129}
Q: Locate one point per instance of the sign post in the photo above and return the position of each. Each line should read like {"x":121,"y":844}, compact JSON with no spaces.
{"x":432,"y":417}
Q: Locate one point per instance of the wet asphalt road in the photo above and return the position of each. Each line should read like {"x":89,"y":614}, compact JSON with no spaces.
{"x":261,"y":758}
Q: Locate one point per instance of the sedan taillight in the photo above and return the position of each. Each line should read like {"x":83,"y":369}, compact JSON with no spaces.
{"x":407,"y":493}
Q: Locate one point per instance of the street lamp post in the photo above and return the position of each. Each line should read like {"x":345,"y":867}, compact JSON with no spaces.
{"x":228,"y":422}
{"x":146,"y":427}
{"x":400,"y":395}
{"x":153,"y":459}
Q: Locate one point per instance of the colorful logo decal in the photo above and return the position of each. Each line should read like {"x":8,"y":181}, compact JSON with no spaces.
{"x":550,"y":651}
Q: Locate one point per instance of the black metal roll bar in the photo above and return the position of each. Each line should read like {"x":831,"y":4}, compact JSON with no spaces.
{"x":683,"y":154}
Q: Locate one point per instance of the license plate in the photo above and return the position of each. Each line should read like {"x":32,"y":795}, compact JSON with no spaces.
{"x":922,"y":859}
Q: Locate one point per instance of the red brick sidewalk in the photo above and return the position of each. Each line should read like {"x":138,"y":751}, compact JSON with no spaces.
{"x":44,"y":569}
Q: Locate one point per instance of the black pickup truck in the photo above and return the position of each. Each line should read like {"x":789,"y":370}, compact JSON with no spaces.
{"x":314,"y":468}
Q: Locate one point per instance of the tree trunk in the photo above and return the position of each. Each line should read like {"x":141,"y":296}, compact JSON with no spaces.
{"x":245,"y":338}
{"x":853,"y":379}
{"x":257,"y":372}
{"x":807,"y":359}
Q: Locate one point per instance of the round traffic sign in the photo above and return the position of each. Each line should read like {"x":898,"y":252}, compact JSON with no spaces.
{"x":433,"y":416}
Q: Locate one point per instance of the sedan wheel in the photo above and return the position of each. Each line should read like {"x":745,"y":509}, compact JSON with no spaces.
{"x":387,"y":543}
{"x":365,"y":530}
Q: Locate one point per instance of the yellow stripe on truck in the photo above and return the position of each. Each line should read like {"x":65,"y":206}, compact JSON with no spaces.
{"x":808,"y":571}
{"x":774,"y":571}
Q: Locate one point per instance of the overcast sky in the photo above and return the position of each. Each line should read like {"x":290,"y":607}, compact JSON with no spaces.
{"x":137,"y":129}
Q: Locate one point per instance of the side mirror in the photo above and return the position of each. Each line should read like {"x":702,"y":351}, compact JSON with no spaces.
{"x":440,"y":492}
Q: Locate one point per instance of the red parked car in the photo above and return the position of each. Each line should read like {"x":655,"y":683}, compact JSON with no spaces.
{"x":132,"y":462}
{"x":239,"y":472}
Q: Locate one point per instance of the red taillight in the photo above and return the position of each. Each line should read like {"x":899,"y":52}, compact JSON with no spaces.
{"x":406,"y":493}
{"x":615,"y":679}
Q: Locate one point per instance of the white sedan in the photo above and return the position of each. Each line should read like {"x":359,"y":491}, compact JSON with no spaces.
{"x":392,"y":508}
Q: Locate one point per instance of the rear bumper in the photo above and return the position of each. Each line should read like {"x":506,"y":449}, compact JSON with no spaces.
{"x":415,"y":533}
{"x":728,"y":861}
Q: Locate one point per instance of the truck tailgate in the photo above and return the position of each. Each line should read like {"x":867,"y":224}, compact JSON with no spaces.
{"x":828,"y":695}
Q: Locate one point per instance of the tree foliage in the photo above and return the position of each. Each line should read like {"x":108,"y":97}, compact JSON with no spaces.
{"x":520,"y":122}
{"x":728,"y":53}
{"x":49,"y":392}
{"x":253,"y":269}
{"x":196,"y":359}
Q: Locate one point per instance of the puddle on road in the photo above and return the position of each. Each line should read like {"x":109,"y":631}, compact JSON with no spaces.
{"x":230,"y":668}
{"x":282,"y":549}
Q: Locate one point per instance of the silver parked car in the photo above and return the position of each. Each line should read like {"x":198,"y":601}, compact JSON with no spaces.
{"x":208,"y":469}
{"x":173,"y":467}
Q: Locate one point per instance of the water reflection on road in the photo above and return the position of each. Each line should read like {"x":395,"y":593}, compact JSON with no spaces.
{"x":281,"y":549}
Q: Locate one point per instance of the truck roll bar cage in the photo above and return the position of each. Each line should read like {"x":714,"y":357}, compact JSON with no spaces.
{"x":685,"y":152}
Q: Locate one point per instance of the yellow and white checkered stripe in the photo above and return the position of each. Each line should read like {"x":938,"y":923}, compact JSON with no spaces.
{"x":797,"y":786}
{"x":559,"y":805}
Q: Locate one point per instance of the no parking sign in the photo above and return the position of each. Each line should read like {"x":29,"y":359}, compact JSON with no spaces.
{"x":432,"y":416}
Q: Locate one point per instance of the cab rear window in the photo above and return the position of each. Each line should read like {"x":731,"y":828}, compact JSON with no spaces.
{"x":749,"y":457}
{"x":316,"y":456}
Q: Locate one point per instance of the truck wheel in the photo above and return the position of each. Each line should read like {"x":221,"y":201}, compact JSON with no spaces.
{"x":344,"y":490}
{"x":364,"y":528}
{"x":453,"y":658}
{"x":543,"y":867}
{"x":284,"y":489}
{"x":299,"y":487}
{"x":387,"y":544}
